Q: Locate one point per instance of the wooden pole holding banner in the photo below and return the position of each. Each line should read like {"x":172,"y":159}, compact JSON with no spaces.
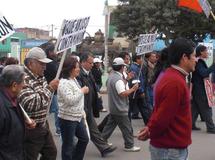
{"x":212,"y":14}
{"x":27,"y":118}
{"x":59,"y":68}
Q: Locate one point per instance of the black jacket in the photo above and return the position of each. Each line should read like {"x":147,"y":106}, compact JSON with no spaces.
{"x":201,"y":71}
{"x":12,"y":130}
{"x":90,"y":99}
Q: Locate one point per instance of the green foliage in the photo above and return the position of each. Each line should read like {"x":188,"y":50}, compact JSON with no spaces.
{"x":134,"y":17}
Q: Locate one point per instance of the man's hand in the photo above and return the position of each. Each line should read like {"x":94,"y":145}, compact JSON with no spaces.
{"x":30,"y":125}
{"x":130,"y":75}
{"x":143,"y":134}
{"x":54,"y":84}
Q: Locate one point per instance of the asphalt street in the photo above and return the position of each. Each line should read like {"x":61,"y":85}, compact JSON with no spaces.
{"x":202,"y":147}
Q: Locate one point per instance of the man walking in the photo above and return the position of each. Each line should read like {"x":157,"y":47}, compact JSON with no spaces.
{"x":35,"y":98}
{"x":118,"y":93}
{"x":169,"y":127}
{"x":90,"y":104}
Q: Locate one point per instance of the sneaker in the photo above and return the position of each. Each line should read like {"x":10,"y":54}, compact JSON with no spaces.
{"x":110,"y":144}
{"x":133,"y":149}
{"x":103,"y":110}
{"x":108,"y":151}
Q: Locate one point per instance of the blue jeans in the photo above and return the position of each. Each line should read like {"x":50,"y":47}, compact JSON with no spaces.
{"x":70,"y":129}
{"x":168,"y":153}
{"x":54,"y":109}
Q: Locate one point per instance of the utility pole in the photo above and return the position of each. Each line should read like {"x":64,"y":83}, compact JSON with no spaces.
{"x":106,"y":13}
{"x":52,"y":30}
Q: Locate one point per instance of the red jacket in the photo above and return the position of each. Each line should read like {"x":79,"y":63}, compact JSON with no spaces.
{"x":171,"y":123}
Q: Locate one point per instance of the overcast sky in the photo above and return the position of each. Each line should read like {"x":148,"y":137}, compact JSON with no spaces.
{"x":43,"y":13}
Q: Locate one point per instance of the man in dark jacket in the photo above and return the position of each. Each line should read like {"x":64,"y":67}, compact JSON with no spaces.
{"x":199,"y":97}
{"x":90,"y":104}
{"x":12,"y":123}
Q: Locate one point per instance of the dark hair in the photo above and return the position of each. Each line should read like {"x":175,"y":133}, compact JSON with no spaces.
{"x":117,"y":67}
{"x":123,"y":55}
{"x":178,"y":48}
{"x":11,"y":60}
{"x":161,"y":65}
{"x":68,"y":65}
{"x":85,"y":56}
{"x":147,"y":55}
{"x":11,"y":74}
{"x":200,"y":48}
{"x":136,"y":57}
{"x":48,"y":47}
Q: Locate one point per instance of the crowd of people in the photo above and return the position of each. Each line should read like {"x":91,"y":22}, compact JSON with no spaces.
{"x":153,"y":86}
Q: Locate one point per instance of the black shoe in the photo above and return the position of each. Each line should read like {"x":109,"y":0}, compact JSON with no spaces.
{"x":196,"y":128}
{"x":211,"y":131}
{"x":136,"y":117}
{"x":107,"y":151}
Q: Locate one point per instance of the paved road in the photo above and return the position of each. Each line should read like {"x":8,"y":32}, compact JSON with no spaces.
{"x":202,"y":147}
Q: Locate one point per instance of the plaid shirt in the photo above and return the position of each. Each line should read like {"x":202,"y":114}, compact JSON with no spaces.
{"x":35,"y":96}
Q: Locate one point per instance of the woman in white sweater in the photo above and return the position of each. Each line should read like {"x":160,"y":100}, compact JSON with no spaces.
{"x":71,"y":111}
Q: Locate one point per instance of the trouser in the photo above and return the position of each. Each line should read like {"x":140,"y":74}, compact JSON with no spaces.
{"x":54,"y":109}
{"x":70,"y":129}
{"x":124,"y":125}
{"x":168,"y":153}
{"x":95,"y":134}
{"x":145,"y":110}
{"x":40,"y":141}
{"x":200,"y":106}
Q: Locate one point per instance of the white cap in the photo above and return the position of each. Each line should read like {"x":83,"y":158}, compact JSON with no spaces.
{"x":97,"y":60}
{"x":38,"y":54}
{"x":118,"y":61}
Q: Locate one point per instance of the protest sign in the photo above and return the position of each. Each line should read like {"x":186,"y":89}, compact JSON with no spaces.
{"x":209,"y":92}
{"x":6,"y":29}
{"x":72,"y":33}
{"x":145,"y":43}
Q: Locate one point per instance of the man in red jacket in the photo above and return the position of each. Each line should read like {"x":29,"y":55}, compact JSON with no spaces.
{"x":169,"y":127}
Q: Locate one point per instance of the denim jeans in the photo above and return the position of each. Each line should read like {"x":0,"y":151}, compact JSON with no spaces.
{"x":70,"y":129}
{"x":168,"y":153}
{"x":54,"y":109}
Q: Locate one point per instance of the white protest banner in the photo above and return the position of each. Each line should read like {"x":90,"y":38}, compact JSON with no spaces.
{"x":145,"y":43}
{"x":209,"y":46}
{"x":205,"y":7}
{"x":72,"y":33}
{"x":6,"y":29}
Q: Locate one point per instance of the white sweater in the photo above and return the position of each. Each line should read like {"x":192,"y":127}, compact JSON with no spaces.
{"x":70,"y":100}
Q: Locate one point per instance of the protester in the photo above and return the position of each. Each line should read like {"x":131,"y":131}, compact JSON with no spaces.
{"x":12,"y":122}
{"x":199,"y":97}
{"x":50,"y":74}
{"x":2,"y":62}
{"x":90,"y":104}
{"x":71,"y":111}
{"x":138,"y":99}
{"x":35,"y":98}
{"x":97,"y":75}
{"x":169,"y":127}
{"x":118,"y":93}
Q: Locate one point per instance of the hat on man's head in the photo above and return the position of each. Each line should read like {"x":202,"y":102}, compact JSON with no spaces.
{"x":38,"y":54}
{"x":118,"y":61}
{"x":97,"y":60}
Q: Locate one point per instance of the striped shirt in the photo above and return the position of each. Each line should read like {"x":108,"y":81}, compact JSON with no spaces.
{"x":35,"y":96}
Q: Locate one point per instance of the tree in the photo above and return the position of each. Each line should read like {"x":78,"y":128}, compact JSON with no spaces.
{"x":134,"y":17}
